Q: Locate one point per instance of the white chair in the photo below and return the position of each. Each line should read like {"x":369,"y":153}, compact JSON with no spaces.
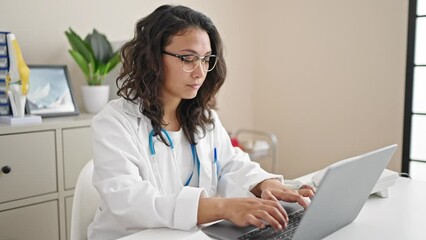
{"x":86,"y":201}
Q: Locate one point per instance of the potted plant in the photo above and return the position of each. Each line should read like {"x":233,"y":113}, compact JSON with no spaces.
{"x":96,"y":58}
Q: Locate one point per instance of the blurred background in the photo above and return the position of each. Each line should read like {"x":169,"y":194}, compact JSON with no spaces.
{"x":326,"y":77}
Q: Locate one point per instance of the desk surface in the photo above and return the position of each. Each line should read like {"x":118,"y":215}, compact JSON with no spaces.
{"x":400,"y":216}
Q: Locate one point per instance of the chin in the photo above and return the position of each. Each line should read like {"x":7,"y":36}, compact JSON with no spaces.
{"x":189,"y":96}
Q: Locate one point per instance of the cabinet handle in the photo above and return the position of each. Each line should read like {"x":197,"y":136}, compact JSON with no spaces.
{"x":6,"y":169}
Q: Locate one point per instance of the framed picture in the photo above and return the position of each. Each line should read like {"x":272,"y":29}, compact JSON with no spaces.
{"x":50,"y":93}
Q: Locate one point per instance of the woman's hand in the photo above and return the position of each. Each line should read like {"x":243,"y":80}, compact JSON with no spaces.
{"x":242,"y":211}
{"x":255,"y":211}
{"x":272,"y":189}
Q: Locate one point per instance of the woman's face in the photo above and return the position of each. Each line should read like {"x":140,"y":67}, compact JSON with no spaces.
{"x":180,"y":84}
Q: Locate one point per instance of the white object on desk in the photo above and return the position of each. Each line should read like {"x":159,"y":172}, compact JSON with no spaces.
{"x":386,"y":180}
{"x":27,"y":119}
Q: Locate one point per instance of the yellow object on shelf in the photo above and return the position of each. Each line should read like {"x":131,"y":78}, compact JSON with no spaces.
{"x":17,"y":77}
{"x":18,"y":73}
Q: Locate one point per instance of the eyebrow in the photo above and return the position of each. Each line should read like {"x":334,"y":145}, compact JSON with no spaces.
{"x":194,"y":52}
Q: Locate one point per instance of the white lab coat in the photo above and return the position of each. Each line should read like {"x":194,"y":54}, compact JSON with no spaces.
{"x":123,"y":176}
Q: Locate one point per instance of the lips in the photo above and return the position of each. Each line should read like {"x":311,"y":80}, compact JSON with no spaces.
{"x":194,"y":86}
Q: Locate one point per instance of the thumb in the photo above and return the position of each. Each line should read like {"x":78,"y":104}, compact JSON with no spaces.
{"x":266,"y":194}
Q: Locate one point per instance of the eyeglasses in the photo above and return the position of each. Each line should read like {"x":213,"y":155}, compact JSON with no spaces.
{"x":191,"y":61}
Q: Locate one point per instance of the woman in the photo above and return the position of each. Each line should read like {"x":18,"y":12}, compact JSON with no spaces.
{"x":162,"y":157}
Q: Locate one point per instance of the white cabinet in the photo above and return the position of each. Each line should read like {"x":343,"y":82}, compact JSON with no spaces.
{"x":31,"y":162}
{"x":39,"y":165}
{"x":77,"y":148}
{"x":38,"y":221}
{"x":68,"y":211}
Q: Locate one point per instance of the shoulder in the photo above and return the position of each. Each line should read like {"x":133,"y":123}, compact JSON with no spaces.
{"x":118,"y":111}
{"x":121,"y":106}
{"x":214,"y":114}
{"x":215,"y":117}
{"x":216,"y":124}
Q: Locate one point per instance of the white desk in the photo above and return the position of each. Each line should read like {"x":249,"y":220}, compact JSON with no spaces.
{"x":400,"y":216}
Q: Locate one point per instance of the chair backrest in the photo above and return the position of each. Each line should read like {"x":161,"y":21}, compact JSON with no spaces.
{"x":86,"y":201}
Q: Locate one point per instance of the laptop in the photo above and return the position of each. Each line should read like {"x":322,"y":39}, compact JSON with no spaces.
{"x":340,"y":196}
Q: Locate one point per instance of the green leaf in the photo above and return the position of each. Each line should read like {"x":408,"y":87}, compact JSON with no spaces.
{"x":87,"y":39}
{"x":94,"y":55}
{"x":93,"y":60}
{"x":101,"y":47}
{"x":79,"y":45}
{"x":102,"y":69}
{"x":113,"y":62}
{"x":81,"y":62}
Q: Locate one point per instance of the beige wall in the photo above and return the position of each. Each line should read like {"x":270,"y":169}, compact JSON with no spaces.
{"x":331,"y":79}
{"x":326,"y":76}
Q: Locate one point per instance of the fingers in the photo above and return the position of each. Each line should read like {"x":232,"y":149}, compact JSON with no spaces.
{"x":278,"y":212}
{"x":306,"y":192}
{"x":281,"y":210}
{"x":294,"y":196}
{"x":269,"y":196}
{"x":257,"y":212}
{"x":270,"y":217}
{"x":290,"y":195}
{"x":251,"y":219}
{"x":313,"y":189}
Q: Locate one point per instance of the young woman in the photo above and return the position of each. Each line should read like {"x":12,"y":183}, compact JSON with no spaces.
{"x":162,"y":157}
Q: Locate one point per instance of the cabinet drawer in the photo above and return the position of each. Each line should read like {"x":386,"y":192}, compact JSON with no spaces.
{"x":32,"y":159}
{"x":39,"y":221}
{"x":77,"y":152}
{"x":68,"y":214}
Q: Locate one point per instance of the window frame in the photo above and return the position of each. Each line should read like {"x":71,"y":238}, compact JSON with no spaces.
{"x":409,"y":83}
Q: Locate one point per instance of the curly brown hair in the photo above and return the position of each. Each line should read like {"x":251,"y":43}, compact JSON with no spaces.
{"x":141,"y":78}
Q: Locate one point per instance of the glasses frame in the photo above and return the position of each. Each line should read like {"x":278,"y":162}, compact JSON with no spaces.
{"x":200,"y":59}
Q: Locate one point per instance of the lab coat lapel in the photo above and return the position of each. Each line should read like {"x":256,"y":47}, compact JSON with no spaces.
{"x":204,"y":154}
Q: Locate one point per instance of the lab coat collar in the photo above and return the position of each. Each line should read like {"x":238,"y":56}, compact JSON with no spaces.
{"x":204,"y":147}
{"x":128,"y":107}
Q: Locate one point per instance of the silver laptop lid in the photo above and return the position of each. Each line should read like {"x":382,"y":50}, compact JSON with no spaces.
{"x":342,"y":193}
{"x":340,"y":197}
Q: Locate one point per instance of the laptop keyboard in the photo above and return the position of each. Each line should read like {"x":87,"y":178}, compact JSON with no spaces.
{"x":270,"y":233}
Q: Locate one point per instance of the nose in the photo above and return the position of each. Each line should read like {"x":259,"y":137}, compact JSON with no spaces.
{"x":199,"y":71}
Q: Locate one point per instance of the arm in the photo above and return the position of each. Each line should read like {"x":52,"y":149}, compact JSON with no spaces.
{"x":123,"y":180}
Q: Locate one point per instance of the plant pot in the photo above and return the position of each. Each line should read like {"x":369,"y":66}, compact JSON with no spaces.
{"x":95,"y":97}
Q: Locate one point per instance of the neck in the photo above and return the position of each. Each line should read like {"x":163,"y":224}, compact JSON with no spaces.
{"x":170,"y":118}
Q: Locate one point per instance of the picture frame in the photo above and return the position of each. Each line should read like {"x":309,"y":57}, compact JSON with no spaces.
{"x":50,"y":93}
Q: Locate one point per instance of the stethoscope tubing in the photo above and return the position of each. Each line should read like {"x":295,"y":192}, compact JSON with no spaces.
{"x":196,"y":160}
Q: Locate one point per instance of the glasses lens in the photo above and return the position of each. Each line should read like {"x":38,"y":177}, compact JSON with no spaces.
{"x":209,"y":63}
{"x":190,"y":62}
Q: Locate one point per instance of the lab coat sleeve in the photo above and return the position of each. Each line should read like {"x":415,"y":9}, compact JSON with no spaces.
{"x":134,"y":202}
{"x":238,"y":174}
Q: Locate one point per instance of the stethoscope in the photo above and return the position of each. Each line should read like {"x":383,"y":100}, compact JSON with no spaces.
{"x":196,"y":160}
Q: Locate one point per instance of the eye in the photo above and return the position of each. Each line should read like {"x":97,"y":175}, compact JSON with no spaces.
{"x":206,"y":59}
{"x":189,"y":58}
